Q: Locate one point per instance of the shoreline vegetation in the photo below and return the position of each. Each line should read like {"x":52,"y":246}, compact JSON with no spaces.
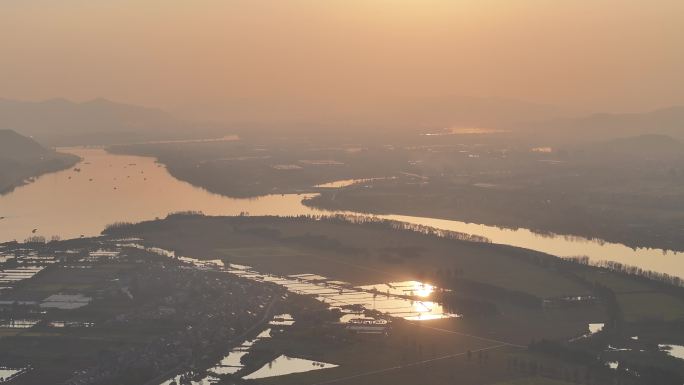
{"x":22,"y":160}
{"x":623,"y":191}
{"x":611,"y":266}
{"x":499,"y":210}
{"x":59,"y":163}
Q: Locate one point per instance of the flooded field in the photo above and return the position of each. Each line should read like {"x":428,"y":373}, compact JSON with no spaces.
{"x":342,"y":295}
{"x":393,"y":298}
{"x":65,"y":301}
{"x":9,"y":276}
{"x":8,"y":374}
{"x":676,"y":351}
{"x":232,"y":363}
{"x":106,"y":188}
{"x":347,"y":182}
{"x":18,"y":323}
{"x":287,"y":365}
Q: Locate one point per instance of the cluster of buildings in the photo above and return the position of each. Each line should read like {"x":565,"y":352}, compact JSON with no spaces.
{"x":204,"y":309}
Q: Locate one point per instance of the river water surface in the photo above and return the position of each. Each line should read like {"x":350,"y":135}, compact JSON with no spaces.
{"x":106,"y":188}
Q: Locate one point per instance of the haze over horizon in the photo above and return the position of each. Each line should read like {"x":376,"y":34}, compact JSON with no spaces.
{"x":352,"y":192}
{"x":301,"y":60}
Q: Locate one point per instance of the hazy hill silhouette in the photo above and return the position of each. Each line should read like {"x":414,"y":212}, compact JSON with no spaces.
{"x":16,"y":147}
{"x":635,"y":149}
{"x":666,"y":121}
{"x":383,"y":119}
{"x":100,"y":121}
{"x":464,"y":111}
{"x":60,"y":121}
{"x":22,"y":158}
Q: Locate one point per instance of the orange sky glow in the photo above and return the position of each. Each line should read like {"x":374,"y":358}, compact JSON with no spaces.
{"x":236,"y":59}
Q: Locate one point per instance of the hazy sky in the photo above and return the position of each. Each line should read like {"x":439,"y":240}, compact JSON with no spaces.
{"x":219,"y":58}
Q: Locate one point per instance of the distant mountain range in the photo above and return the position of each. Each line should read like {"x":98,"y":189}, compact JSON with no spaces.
{"x":22,"y":158}
{"x":99,"y":121}
{"x":541,"y":122}
{"x":406,"y":116}
{"x":666,"y":121}
{"x":634,"y":149}
{"x":533,"y":121}
{"x":469,"y":112}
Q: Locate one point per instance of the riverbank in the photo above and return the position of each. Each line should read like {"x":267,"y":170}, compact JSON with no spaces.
{"x":109,"y":188}
{"x":542,"y":212}
{"x":14,"y":173}
{"x":628,"y":191}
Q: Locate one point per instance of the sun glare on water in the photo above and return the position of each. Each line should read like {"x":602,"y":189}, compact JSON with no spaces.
{"x":422,"y":290}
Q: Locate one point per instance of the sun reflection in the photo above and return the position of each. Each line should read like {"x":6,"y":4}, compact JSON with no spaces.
{"x":423,"y":307}
{"x":422,"y":289}
{"x":406,"y":299}
{"x":424,"y":312}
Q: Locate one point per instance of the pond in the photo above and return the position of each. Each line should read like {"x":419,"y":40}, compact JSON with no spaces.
{"x":18,"y":323}
{"x":287,"y":365}
{"x":232,"y":362}
{"x":347,"y":182}
{"x":676,"y":351}
{"x":8,"y":374}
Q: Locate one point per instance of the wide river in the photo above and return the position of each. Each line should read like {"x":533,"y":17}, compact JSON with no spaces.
{"x":112,"y":188}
